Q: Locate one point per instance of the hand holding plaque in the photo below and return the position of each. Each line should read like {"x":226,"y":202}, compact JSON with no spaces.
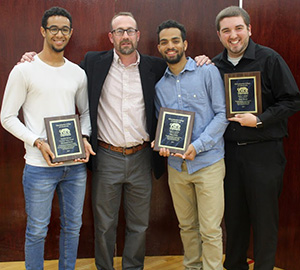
{"x":243,"y":93}
{"x":64,"y":137}
{"x":174,"y":130}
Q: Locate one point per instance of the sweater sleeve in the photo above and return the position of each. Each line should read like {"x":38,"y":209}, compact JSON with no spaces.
{"x":14,"y":97}
{"x":83,"y":106}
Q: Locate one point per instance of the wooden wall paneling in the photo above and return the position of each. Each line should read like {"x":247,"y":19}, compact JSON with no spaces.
{"x":13,"y":34}
{"x":19,"y":32}
{"x":275,"y":24}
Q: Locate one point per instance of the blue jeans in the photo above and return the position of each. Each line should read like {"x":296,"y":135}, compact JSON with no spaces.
{"x":39,"y":185}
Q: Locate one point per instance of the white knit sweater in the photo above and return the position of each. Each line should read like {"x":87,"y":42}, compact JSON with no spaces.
{"x":43,"y":91}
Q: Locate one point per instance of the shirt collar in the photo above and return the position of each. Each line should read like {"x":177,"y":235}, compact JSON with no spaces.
{"x":189,"y":66}
{"x":117,"y":59}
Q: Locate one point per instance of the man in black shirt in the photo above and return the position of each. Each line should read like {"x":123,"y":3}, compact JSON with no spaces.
{"x":254,"y":152}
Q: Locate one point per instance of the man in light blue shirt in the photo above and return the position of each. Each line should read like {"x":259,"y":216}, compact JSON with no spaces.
{"x":195,"y":177}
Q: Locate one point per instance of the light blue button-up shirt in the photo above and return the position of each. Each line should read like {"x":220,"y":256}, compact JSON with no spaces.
{"x":201,"y":90}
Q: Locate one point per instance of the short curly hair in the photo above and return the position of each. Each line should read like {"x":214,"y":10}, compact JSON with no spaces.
{"x":172,"y":24}
{"x":55,"y":11}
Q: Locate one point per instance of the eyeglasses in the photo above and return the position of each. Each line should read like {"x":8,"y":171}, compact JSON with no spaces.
{"x":120,"y":31}
{"x":54,"y":30}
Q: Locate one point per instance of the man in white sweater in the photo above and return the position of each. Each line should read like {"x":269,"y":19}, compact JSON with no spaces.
{"x":50,"y":86}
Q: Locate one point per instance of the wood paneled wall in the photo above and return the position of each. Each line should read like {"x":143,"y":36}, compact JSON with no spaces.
{"x":274,"y":24}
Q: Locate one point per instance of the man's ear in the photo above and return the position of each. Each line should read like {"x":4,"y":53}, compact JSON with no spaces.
{"x":43,"y":31}
{"x":71,"y":32}
{"x":110,"y":37}
{"x":185,"y":43}
{"x":158,"y":47}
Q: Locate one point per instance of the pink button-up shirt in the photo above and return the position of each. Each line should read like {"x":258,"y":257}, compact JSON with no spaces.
{"x":121,"y":112}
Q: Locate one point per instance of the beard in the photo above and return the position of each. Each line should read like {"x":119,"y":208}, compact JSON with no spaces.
{"x":173,"y":60}
{"x":58,"y":50}
{"x":127,"y":50}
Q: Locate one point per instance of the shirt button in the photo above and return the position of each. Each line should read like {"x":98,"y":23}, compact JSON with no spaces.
{"x":195,"y":96}
{"x":179,"y":95}
{"x":177,"y":80}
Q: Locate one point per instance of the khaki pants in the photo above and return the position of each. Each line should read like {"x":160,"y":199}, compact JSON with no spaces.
{"x":198,"y":200}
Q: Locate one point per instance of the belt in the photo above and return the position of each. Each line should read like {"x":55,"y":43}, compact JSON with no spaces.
{"x":125,"y":151}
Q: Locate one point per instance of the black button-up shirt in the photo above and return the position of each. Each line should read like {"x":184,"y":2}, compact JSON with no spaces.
{"x":280,"y":94}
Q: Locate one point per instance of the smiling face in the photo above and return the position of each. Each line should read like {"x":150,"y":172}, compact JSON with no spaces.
{"x":171,"y":46}
{"x":234,"y":35}
{"x":124,"y":44}
{"x":57,"y":42}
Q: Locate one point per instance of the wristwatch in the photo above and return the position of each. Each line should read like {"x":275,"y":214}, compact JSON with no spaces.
{"x":259,"y":123}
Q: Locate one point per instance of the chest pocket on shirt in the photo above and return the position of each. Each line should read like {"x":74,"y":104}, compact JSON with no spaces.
{"x":195,"y":99}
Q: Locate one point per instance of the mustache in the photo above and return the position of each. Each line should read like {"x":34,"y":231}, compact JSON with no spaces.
{"x":125,"y":41}
{"x":171,"y":50}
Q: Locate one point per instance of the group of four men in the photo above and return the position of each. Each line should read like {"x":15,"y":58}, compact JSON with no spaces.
{"x":122,"y":93}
